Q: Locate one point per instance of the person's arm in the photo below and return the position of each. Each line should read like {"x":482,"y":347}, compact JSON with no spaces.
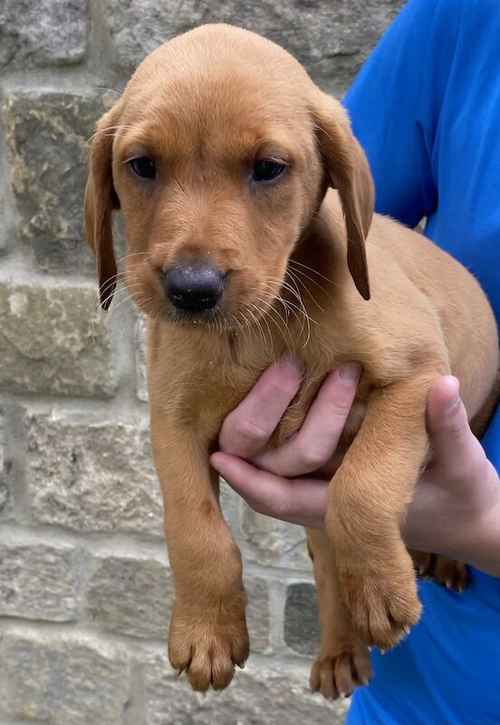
{"x":456,"y":510}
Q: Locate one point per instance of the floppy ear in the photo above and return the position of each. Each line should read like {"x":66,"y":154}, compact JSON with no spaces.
{"x":100,"y":200}
{"x":348,"y":171}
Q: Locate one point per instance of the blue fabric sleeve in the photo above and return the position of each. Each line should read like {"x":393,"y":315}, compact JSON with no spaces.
{"x":394,"y":105}
{"x":491,"y":440}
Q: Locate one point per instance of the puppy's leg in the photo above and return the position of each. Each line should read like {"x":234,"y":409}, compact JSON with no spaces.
{"x":208,"y":633}
{"x":343,"y":662}
{"x":368,"y":497}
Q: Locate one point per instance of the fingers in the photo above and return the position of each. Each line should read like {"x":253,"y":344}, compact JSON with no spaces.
{"x":455,"y":449}
{"x":302,"y":501}
{"x":315,"y":443}
{"x":247,"y":429}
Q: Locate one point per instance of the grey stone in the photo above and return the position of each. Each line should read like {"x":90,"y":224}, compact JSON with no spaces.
{"x":261,"y":693}
{"x":273,"y":543}
{"x":258,"y":613}
{"x":53,"y":340}
{"x":131,"y":596}
{"x":91,"y":475}
{"x":68,"y":679}
{"x":140,"y":360}
{"x":330,"y":37}
{"x":46,"y":135}
{"x":42,"y":32}
{"x":38,"y":580}
{"x":4,"y":490}
{"x":302,"y":630}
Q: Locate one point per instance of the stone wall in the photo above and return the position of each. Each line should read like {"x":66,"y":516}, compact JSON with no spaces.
{"x":85,"y":589}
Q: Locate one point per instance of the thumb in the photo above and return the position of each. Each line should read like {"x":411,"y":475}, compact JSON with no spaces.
{"x":451,"y":439}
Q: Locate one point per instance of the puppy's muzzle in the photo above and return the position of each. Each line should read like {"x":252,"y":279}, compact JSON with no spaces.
{"x":193,"y":287}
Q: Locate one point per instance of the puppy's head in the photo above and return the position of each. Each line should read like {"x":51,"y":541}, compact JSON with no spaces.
{"x":219,"y":153}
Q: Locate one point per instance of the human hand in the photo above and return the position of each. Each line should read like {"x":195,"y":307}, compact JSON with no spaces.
{"x":274,"y":482}
{"x":456,"y":508}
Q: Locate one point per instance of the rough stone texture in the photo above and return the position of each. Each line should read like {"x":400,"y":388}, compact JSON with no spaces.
{"x":4,"y":490}
{"x":301,"y":619}
{"x":38,"y":581}
{"x":66,"y":680}
{"x":131,"y":596}
{"x":140,"y":360}
{"x":134,"y":596}
{"x":91,"y":475}
{"x":46,"y":135}
{"x":42,"y":32}
{"x":258,"y":614}
{"x":258,"y":694}
{"x":331,"y":38}
{"x":54,"y":340}
{"x":271,"y":542}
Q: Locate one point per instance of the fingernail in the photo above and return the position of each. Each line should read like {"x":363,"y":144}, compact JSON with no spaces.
{"x":455,"y":398}
{"x":349,"y":371}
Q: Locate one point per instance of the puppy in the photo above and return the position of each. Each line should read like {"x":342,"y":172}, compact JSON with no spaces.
{"x":247,"y":204}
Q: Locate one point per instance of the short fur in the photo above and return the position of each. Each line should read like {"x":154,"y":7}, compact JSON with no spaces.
{"x":300,"y":281}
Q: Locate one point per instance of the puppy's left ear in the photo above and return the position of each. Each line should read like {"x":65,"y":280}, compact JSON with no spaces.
{"x":348,"y":171}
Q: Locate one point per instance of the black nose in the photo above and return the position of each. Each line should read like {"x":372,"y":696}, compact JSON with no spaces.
{"x":193,"y":286}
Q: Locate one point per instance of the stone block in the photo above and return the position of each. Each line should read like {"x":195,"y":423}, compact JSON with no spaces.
{"x":53,"y":339}
{"x":258,"y":613}
{"x":302,"y":632}
{"x":272,"y":543}
{"x":38,"y":33}
{"x":261,"y":693}
{"x":330,"y":38}
{"x":4,"y":489}
{"x":46,"y":134}
{"x":92,"y":475}
{"x":38,"y":580}
{"x":68,"y":679}
{"x":140,"y":360}
{"x":131,"y":596}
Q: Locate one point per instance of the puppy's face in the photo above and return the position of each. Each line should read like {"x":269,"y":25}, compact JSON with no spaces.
{"x":212,"y":153}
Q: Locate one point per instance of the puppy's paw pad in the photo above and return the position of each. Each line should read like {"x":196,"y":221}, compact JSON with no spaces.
{"x":339,"y":675}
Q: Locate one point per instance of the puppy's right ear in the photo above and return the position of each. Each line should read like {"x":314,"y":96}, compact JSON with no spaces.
{"x":100,"y":200}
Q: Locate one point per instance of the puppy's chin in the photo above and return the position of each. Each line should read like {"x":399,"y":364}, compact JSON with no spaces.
{"x":213,"y":318}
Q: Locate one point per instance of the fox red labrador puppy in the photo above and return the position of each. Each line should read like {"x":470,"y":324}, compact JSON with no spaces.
{"x":247,"y":203}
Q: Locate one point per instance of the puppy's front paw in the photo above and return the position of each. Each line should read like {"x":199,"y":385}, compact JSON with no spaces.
{"x":339,"y":674}
{"x":382,"y":602}
{"x":207,"y":644}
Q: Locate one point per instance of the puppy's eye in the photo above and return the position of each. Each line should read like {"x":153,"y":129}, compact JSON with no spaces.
{"x":267,"y":170}
{"x":144,"y":167}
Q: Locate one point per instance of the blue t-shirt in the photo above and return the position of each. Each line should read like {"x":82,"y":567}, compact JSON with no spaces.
{"x":426,"y":108}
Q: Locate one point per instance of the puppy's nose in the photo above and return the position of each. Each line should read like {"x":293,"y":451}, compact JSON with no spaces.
{"x":193,"y":286}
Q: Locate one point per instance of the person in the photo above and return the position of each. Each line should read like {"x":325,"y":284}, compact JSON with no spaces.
{"x":426,"y":108}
